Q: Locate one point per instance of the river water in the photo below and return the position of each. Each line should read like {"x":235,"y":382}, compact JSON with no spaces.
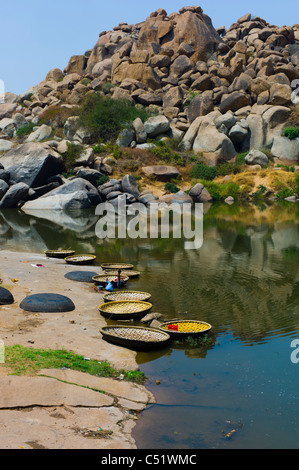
{"x":240,"y":390}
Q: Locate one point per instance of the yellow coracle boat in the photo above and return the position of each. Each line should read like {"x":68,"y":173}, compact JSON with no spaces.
{"x":186,"y":327}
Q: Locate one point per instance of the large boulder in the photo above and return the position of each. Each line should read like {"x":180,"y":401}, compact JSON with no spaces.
{"x":16,"y":193}
{"x":3,"y":188}
{"x":191,"y":26}
{"x":265,"y":123}
{"x":156,"y":125}
{"x":214,"y":145}
{"x":6,"y":109}
{"x":201,"y":105}
{"x":89,"y":174}
{"x":140,"y":132}
{"x":32,"y":163}
{"x":256,"y":157}
{"x":141,"y":72}
{"x":286,"y":149}
{"x":77,"y":64}
{"x":125,"y":138}
{"x":180,"y":198}
{"x":161,"y":172}
{"x":180,"y":65}
{"x":173,"y":97}
{"x":238,"y":133}
{"x":234,"y":101}
{"x":196,"y":191}
{"x":4,"y":175}
{"x":73,"y":195}
{"x":280,"y":94}
{"x":41,"y":133}
{"x":7,"y":126}
{"x":129,"y":185}
{"x":5,"y":145}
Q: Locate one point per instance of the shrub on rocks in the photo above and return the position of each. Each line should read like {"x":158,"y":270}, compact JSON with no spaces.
{"x":202,"y":171}
{"x":105,"y":117}
{"x":291,"y":132}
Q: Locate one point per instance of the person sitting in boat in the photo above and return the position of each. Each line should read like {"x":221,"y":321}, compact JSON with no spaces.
{"x":109,"y":286}
{"x":119,"y":283}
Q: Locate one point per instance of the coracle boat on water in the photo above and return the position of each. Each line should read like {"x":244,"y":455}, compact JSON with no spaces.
{"x":135,"y":337}
{"x":128,"y":272}
{"x":114,"y":266}
{"x":127,"y":295}
{"x":125,"y":309}
{"x":185,"y":328}
{"x":103,"y":279}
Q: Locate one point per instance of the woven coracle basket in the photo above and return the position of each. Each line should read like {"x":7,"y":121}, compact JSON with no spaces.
{"x":127,"y":295}
{"x":126,"y":272}
{"x":184,"y":328}
{"x":106,"y":266}
{"x":59,"y":253}
{"x":124,"y":309}
{"x":135,"y":337}
{"x":80,"y":259}
{"x":102,"y":279}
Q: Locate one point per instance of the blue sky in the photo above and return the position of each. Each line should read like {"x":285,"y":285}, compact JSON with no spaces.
{"x":37,"y":36}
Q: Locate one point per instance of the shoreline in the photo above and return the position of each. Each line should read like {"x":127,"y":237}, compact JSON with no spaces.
{"x":55,"y":406}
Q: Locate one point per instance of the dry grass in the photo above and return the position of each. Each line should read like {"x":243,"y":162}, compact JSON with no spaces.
{"x":273,"y":179}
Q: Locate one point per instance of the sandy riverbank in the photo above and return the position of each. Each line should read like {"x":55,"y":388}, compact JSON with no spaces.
{"x":62,"y":409}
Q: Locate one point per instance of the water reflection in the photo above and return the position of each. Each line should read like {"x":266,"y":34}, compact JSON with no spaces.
{"x":244,"y":281}
{"x":244,"y":278}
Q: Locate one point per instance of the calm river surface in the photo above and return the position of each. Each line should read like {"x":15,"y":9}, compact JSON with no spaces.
{"x":240,"y":390}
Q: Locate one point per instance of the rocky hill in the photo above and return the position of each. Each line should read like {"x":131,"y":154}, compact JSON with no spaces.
{"x":218,"y":93}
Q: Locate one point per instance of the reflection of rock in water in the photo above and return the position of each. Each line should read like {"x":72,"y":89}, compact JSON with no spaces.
{"x":43,"y":230}
{"x":196,"y":347}
{"x":77,"y":221}
{"x":244,"y":277}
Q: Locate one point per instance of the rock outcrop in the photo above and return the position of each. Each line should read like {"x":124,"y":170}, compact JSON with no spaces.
{"x":219,"y":92}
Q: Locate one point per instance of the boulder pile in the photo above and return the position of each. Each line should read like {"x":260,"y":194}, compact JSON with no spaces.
{"x":219,"y":91}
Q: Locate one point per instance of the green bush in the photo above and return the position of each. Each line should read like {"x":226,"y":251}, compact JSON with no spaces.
{"x":107,"y":88}
{"x":97,"y":148}
{"x":55,"y":115}
{"x":220,"y":191}
{"x":291,"y":132}
{"x":228,"y":169}
{"x":25,"y":130}
{"x":241,"y":158}
{"x":202,"y":171}
{"x":102,"y":179}
{"x":260,"y":193}
{"x":287,"y":168}
{"x":105,"y":117}
{"x":171,"y":188}
{"x":167,"y":154}
{"x":283,"y":193}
